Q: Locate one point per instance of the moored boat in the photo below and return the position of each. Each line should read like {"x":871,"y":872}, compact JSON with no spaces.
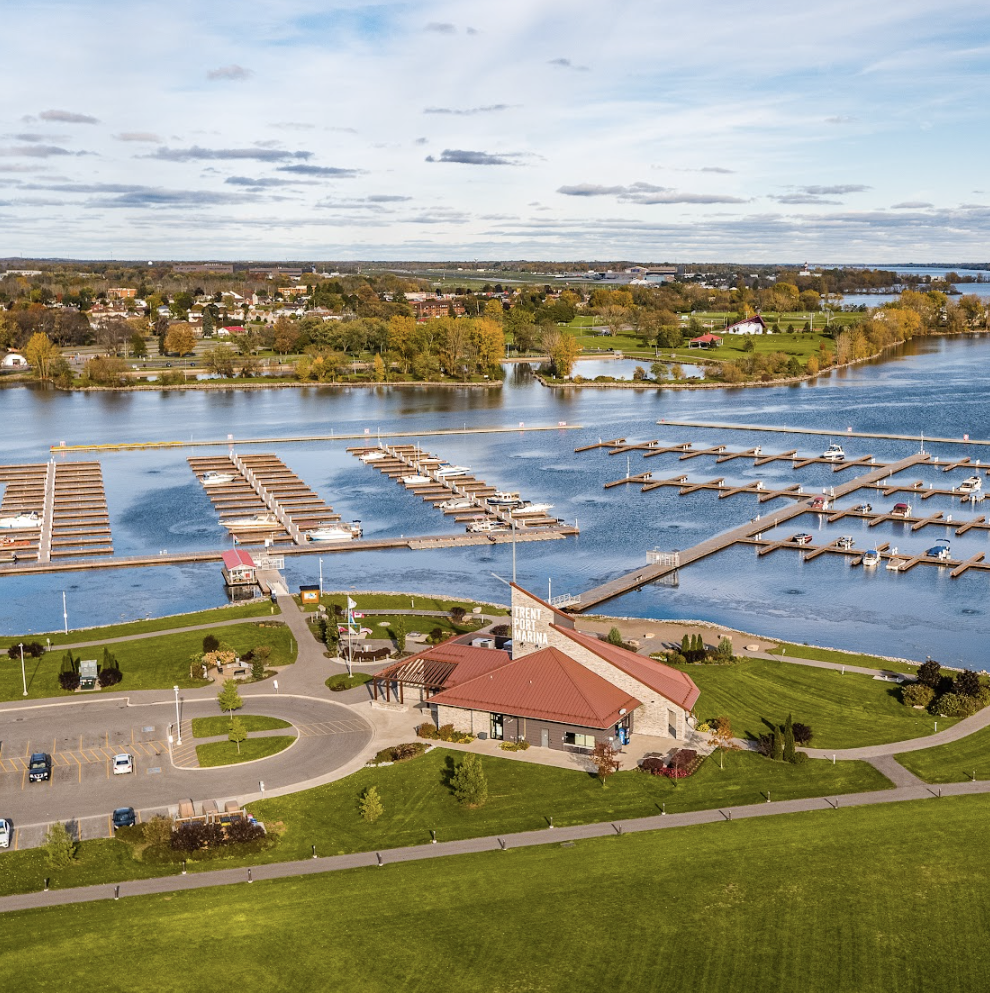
{"x":331,"y":533}
{"x":486,"y":526}
{"x":18,"y":522}
{"x":972,"y":485}
{"x":871,"y":559}
{"x":531,"y":509}
{"x":217,"y":478}
{"x":834,"y":453}
{"x":450,"y":471}
{"x":504,"y":498}
{"x":457,"y":503}
{"x":260,"y":522}
{"x":414,"y":480}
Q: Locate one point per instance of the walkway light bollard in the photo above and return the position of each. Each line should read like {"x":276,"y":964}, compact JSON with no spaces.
{"x":23,"y":677}
{"x":178,"y":723}
{"x":314,"y":851}
{"x":183,"y":867}
{"x":250,"y":880}
{"x":551,"y":824}
{"x":116,"y":892}
{"x":381,"y":861}
{"x":501,"y":844}
{"x":47,"y":881}
{"x":275,"y":684}
{"x":768,"y":796}
{"x":433,"y":835}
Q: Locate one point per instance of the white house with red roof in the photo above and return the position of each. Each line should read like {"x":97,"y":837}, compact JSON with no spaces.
{"x":557,"y":687}
{"x":748,"y":325}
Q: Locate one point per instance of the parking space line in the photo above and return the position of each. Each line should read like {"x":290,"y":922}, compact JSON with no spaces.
{"x":17,"y":838}
{"x":78,"y":763}
{"x":24,"y":776}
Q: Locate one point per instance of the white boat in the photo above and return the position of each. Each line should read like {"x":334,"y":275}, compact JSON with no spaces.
{"x":531,"y":509}
{"x":834,"y":453}
{"x":374,"y":456}
{"x":457,"y":503}
{"x":972,"y":485}
{"x":21,"y":521}
{"x":871,"y":559}
{"x":260,"y":522}
{"x":414,"y":480}
{"x":217,"y":478}
{"x":331,"y":533}
{"x":486,"y":526}
{"x":449,"y":471}
{"x":504,"y":498}
{"x":895,"y":561}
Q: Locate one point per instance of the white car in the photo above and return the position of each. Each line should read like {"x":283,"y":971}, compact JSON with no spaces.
{"x":122,"y":764}
{"x":6,"y":832}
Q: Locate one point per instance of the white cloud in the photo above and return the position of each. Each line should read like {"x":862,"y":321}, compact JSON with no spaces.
{"x":232,"y":72}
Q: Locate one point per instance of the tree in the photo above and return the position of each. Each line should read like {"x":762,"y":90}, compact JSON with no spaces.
{"x":614,"y":637}
{"x":139,"y":348}
{"x":41,"y":354}
{"x":469,"y":783}
{"x":686,"y":646}
{"x":106,"y":370}
{"x":789,"y":753}
{"x":930,"y":674}
{"x":399,"y":633}
{"x":378,"y":369}
{"x":967,"y":683}
{"x":220,"y":360}
{"x":285,"y":336}
{"x":210,"y":643}
{"x":721,"y":737}
{"x":371,"y":805}
{"x":659,"y":370}
{"x":237,"y":732}
{"x":228,"y":698}
{"x":562,"y":349}
{"x":604,"y":759}
{"x":60,"y":847}
{"x":180,"y":338}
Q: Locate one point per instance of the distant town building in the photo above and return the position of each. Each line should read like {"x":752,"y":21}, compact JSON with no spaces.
{"x":216,"y":267}
{"x":434,"y":307}
{"x":748,"y":325}
{"x":121,"y":293}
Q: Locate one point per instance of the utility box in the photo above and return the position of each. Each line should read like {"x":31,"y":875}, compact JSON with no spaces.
{"x":309,"y":594}
{"x":88,"y":671}
{"x":483,"y":643}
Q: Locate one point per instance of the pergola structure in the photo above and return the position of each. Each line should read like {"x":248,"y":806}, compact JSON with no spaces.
{"x":417,"y":672}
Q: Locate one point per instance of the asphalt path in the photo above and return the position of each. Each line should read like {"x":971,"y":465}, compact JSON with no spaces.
{"x":83,"y":736}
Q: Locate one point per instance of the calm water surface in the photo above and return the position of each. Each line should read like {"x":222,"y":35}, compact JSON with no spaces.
{"x":936,"y":387}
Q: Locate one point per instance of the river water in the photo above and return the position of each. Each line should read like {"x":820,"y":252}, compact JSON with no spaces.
{"x":931,"y":386}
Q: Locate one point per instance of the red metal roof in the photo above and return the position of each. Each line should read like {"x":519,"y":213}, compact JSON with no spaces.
{"x":676,"y":686}
{"x":469,"y":662}
{"x":235,"y":557}
{"x":707,"y":337}
{"x":546,"y":685}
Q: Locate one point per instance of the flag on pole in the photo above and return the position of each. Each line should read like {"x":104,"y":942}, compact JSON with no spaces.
{"x":350,"y":604}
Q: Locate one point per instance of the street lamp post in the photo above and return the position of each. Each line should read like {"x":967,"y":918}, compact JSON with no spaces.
{"x":178,"y":723}
{"x":23,"y":676}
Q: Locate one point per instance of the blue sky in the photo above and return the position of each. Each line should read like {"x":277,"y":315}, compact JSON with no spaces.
{"x":749,"y":131}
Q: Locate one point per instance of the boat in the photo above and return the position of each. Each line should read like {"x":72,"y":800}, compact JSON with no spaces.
{"x":414,"y":480}
{"x":972,"y":485}
{"x":940,"y":550}
{"x":821,"y":503}
{"x":901,"y":510}
{"x":457,"y":503}
{"x":802,"y":539}
{"x":260,"y":522}
{"x":871,"y":559}
{"x":217,"y":478}
{"x":531,"y":509}
{"x":21,"y":521}
{"x":484,"y":527}
{"x":846,"y":541}
{"x":374,"y":456}
{"x":331,"y":533}
{"x":894,"y":561}
{"x":504,"y":498}
{"x":449,"y":471}
{"x":834,"y":453}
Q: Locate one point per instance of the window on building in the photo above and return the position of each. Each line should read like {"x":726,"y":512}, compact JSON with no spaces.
{"x":580,"y":740}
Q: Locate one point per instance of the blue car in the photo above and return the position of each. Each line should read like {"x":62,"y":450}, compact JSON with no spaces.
{"x":124,"y":817}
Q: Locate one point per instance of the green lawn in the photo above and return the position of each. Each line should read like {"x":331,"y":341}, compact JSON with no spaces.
{"x":855,"y":900}
{"x":99,"y":635}
{"x":157,"y":662}
{"x":952,"y":763}
{"x":401,"y":601}
{"x":521,"y":798}
{"x":208,"y":727}
{"x":843,"y":711}
{"x":226,"y":752}
{"x":342,"y":681}
{"x":841,"y":658}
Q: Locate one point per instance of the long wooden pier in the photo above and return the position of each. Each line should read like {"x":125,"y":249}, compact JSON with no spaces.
{"x":650,"y":573}
{"x":124,"y":446}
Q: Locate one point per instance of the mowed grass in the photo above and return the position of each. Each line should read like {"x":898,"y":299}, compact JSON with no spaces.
{"x":401,"y":601}
{"x":208,"y":727}
{"x":789,"y":650}
{"x":826,"y":902}
{"x":156,"y":662}
{"x":955,"y":762}
{"x":417,"y":799}
{"x":215,"y":753}
{"x":523,"y":796}
{"x":843,"y":711}
{"x":90,"y":636}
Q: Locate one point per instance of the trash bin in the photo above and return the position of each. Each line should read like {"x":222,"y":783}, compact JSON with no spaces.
{"x":482,"y":736}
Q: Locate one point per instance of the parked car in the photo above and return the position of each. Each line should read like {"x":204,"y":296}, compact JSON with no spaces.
{"x":124,"y":817}
{"x":40,"y":767}
{"x":123,"y":764}
{"x":6,"y":832}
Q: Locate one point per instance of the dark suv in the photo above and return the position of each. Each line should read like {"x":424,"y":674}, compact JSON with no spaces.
{"x":40,"y":767}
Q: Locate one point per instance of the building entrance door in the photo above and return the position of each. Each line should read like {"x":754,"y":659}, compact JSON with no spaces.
{"x":544,"y":738}
{"x":497,"y":727}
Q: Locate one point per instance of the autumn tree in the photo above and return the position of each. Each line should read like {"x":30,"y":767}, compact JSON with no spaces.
{"x":605,"y":760}
{"x":106,"y":370}
{"x":180,"y":338}
{"x":285,"y":336}
{"x":721,"y":737}
{"x":371,"y":805}
{"x":220,"y":360}
{"x":41,"y":354}
{"x":378,"y":369}
{"x":228,"y":698}
{"x":562,"y":349}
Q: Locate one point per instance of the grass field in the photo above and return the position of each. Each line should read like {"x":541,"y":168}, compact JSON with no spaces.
{"x":215,"y":753}
{"x":156,"y":662}
{"x":208,"y":727}
{"x":341,"y":681}
{"x":841,"y":658}
{"x":400,"y":601}
{"x":856,"y":900}
{"x":843,"y":711}
{"x":98,"y":635}
{"x":956,"y":762}
{"x":416,"y":799}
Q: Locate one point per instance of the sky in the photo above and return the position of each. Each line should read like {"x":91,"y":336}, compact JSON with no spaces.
{"x":751,"y":130}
